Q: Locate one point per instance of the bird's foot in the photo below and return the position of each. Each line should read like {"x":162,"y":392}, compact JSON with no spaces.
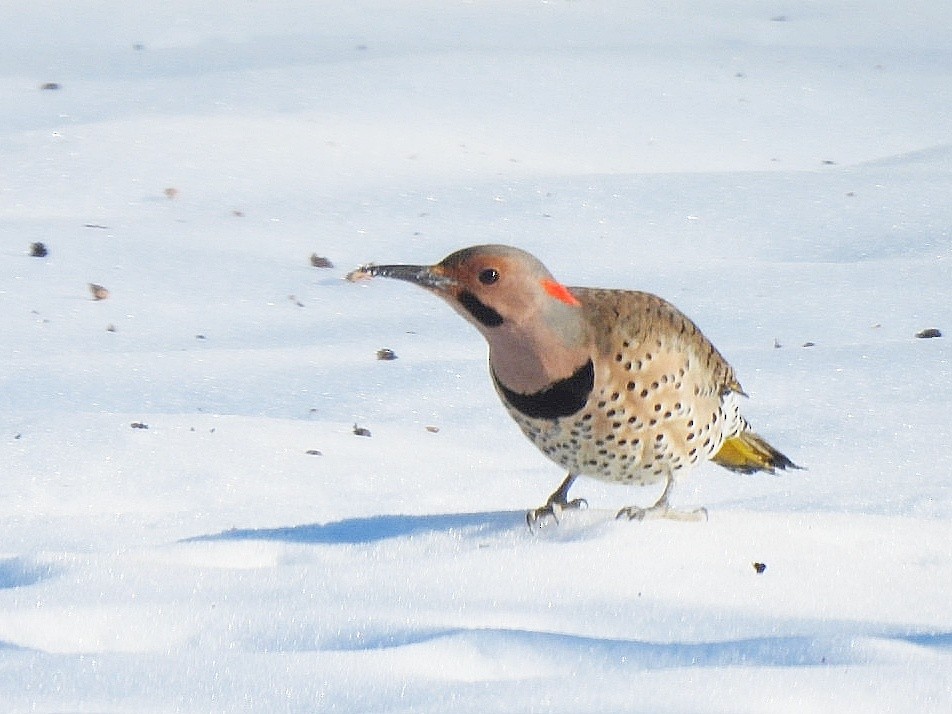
{"x":636,"y":513}
{"x":538,"y":518}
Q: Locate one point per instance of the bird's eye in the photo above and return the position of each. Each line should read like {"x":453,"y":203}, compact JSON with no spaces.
{"x":488,"y":276}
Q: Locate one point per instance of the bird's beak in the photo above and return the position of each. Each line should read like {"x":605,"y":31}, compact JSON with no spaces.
{"x":426,"y":276}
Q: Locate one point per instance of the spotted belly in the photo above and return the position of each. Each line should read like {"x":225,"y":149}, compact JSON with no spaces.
{"x":639,"y":429}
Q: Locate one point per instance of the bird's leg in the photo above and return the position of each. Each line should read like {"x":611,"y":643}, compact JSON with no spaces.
{"x":662,"y":509}
{"x":556,"y":503}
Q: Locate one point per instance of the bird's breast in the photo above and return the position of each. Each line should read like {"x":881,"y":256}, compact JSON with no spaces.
{"x":643,"y":416}
{"x":560,"y":399}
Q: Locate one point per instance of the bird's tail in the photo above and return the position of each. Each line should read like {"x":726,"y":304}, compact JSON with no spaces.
{"x":747,"y":452}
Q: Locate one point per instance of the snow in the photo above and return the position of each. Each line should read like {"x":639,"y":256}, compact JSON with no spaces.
{"x":781,"y":171}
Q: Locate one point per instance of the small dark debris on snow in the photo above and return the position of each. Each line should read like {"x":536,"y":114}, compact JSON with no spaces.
{"x":386,"y":354}
{"x":238,"y":214}
{"x":200,"y":337}
{"x":38,"y":250}
{"x":313,"y":452}
{"x":361,"y":431}
{"x":50,"y":86}
{"x":760,"y":568}
{"x":294,"y":299}
{"x":828,"y":162}
{"x":928,"y":333}
{"x":138,"y":47}
{"x":809,"y":344}
{"x":433,"y":429}
{"x":139,"y":425}
{"x":776,"y":343}
{"x":98,"y":291}
{"x":96,"y":225}
{"x":17,"y":436}
{"x":778,"y":18}
{"x":110,"y":327}
{"x":319,"y":261}
{"x":171,"y":192}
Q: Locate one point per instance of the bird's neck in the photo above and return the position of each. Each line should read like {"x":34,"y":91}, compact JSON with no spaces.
{"x":530,"y":358}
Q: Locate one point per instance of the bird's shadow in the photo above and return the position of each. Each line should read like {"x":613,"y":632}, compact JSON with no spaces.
{"x":372,"y":529}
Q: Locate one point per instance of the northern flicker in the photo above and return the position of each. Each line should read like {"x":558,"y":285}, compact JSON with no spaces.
{"x":613,"y":384}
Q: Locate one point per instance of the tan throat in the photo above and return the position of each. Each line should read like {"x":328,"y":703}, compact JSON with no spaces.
{"x":530,"y":361}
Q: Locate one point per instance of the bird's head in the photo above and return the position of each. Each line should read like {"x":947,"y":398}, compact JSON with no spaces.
{"x":512,"y":299}
{"x":492,"y":286}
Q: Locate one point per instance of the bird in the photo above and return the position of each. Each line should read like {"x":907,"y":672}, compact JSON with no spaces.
{"x":617,"y":385}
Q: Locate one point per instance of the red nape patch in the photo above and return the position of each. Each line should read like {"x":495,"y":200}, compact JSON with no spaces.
{"x":560,"y":292}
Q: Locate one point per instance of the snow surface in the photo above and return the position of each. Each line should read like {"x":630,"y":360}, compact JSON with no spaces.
{"x":780,"y":170}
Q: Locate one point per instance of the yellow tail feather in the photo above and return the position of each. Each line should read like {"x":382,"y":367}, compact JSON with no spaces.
{"x":747,"y":452}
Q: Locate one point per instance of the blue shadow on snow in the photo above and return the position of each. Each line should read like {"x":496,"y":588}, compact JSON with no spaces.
{"x":22,"y":572}
{"x":834,"y":649}
{"x":376,"y":528}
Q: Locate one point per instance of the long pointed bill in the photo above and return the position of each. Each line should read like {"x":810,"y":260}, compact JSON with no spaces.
{"x":423,"y":275}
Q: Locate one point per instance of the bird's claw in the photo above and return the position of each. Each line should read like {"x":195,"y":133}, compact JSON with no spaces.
{"x":536,"y":519}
